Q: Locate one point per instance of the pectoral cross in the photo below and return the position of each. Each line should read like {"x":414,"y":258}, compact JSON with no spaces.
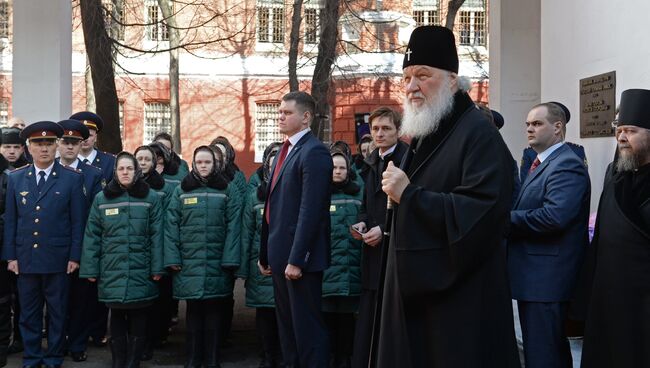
{"x":408,"y":54}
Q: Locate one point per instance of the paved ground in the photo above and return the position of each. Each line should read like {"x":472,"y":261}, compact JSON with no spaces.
{"x":243,"y":350}
{"x":242,"y":353}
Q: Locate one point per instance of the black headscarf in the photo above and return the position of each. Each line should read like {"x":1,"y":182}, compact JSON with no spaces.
{"x":153,"y":178}
{"x":229,"y":156}
{"x":171,"y":161}
{"x":215,"y":179}
{"x":264,"y":172}
{"x":138,"y":188}
{"x":348,"y":186}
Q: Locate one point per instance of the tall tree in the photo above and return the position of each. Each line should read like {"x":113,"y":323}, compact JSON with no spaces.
{"x":174,"y":100}
{"x":98,"y":47}
{"x":294,"y":42}
{"x":321,"y":80}
{"x":452,"y":10}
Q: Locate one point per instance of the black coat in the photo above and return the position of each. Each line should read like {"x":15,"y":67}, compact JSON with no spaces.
{"x":446,"y":301}
{"x":373,"y":210}
{"x":4,"y":274}
{"x":617,"y":331}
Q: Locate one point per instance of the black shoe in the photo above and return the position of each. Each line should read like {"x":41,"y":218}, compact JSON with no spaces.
{"x":15,"y":347}
{"x":79,"y":356}
{"x":100,"y":342}
{"x":118,"y":351}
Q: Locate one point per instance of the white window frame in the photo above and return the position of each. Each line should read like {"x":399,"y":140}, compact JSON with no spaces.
{"x":266,"y":127}
{"x":274,"y":7}
{"x":4,"y":112}
{"x":110,"y":13}
{"x":429,"y":9}
{"x":158,"y":27}
{"x":158,"y":114}
{"x":473,"y":8}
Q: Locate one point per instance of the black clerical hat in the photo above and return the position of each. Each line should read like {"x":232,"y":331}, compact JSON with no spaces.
{"x":567,"y":113}
{"x":89,"y":119}
{"x":433,"y":46}
{"x":498,"y":119}
{"x":633,"y":109}
{"x":12,"y":136}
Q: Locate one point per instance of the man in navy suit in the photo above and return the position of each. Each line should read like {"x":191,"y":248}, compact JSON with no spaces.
{"x":44,"y":222}
{"x":548,"y":238}
{"x":295,"y":244}
{"x":83,"y":293}
{"x":106,"y":162}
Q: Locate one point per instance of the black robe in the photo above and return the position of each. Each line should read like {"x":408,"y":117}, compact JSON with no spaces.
{"x":617,"y":331}
{"x":446,"y":301}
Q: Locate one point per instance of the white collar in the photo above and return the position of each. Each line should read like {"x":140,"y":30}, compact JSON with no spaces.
{"x":293,"y":140}
{"x":48,"y":170}
{"x":387,"y":152}
{"x":544,"y":155}
{"x":91,"y":157}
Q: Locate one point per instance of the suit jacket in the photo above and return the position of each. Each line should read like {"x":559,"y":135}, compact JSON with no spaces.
{"x":549,"y":230}
{"x":44,"y":231}
{"x":529,"y":156}
{"x":93,"y":180}
{"x":299,"y":229}
{"x":106,"y":162}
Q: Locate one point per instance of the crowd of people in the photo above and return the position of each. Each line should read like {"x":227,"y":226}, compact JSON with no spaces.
{"x":403,"y":254}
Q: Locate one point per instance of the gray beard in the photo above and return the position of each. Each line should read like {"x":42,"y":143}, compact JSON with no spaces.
{"x":422,"y":121}
{"x":627,"y":161}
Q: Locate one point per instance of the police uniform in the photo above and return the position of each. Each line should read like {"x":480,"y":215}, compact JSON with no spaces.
{"x":105,"y":162}
{"x":44,"y":222}
{"x":83,"y":293}
{"x":101,"y":159}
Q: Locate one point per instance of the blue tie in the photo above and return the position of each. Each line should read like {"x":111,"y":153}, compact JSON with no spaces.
{"x":41,"y":181}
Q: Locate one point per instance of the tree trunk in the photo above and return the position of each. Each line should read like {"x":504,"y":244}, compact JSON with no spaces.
{"x":294,"y":41}
{"x":98,"y":49}
{"x":174,"y":101}
{"x":321,"y":81}
{"x":452,"y":10}
{"x":90,"y":92}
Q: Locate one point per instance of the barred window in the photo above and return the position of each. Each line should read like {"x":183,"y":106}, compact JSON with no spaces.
{"x":4,"y":19}
{"x":426,"y":12}
{"x":266,"y":127}
{"x":4,"y":113}
{"x":270,"y":21}
{"x":157,"y":118}
{"x":156,"y":27}
{"x":472,"y":23}
{"x":312,"y":25}
{"x":113,"y":16}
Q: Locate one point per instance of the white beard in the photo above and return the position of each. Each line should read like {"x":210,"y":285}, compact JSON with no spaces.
{"x":424,"y":120}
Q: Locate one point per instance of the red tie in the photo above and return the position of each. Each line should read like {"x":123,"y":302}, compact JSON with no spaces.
{"x":276,"y":173}
{"x":534,"y":165}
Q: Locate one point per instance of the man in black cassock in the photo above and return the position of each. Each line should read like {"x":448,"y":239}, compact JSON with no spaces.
{"x":446,"y":301}
{"x":617,"y":332}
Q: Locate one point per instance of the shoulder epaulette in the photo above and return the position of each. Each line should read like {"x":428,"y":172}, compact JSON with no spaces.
{"x":76,"y":171}
{"x":21,"y":168}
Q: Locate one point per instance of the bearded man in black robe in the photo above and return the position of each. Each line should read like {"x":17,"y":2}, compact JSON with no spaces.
{"x":617,"y":331}
{"x":446,"y":301}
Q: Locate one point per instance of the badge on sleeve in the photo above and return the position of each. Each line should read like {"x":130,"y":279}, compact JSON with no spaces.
{"x":112,"y":211}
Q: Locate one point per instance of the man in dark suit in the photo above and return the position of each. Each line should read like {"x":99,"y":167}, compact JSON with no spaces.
{"x":548,"y":238}
{"x":44,"y":222}
{"x":295,"y":244}
{"x":106,"y":162}
{"x":83,"y":293}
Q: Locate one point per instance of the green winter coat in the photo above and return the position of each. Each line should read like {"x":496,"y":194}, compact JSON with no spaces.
{"x":202,"y":237}
{"x":259,"y":288}
{"x":343,"y":277}
{"x":123,"y":247}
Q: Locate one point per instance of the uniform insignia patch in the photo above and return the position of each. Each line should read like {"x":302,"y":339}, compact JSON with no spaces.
{"x":333,"y":208}
{"x":24,"y":193}
{"x":24,"y":201}
{"x":261,"y":211}
{"x":192,"y":200}
{"x":112,"y":211}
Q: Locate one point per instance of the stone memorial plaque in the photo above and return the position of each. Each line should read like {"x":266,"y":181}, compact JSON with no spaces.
{"x":597,"y":105}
